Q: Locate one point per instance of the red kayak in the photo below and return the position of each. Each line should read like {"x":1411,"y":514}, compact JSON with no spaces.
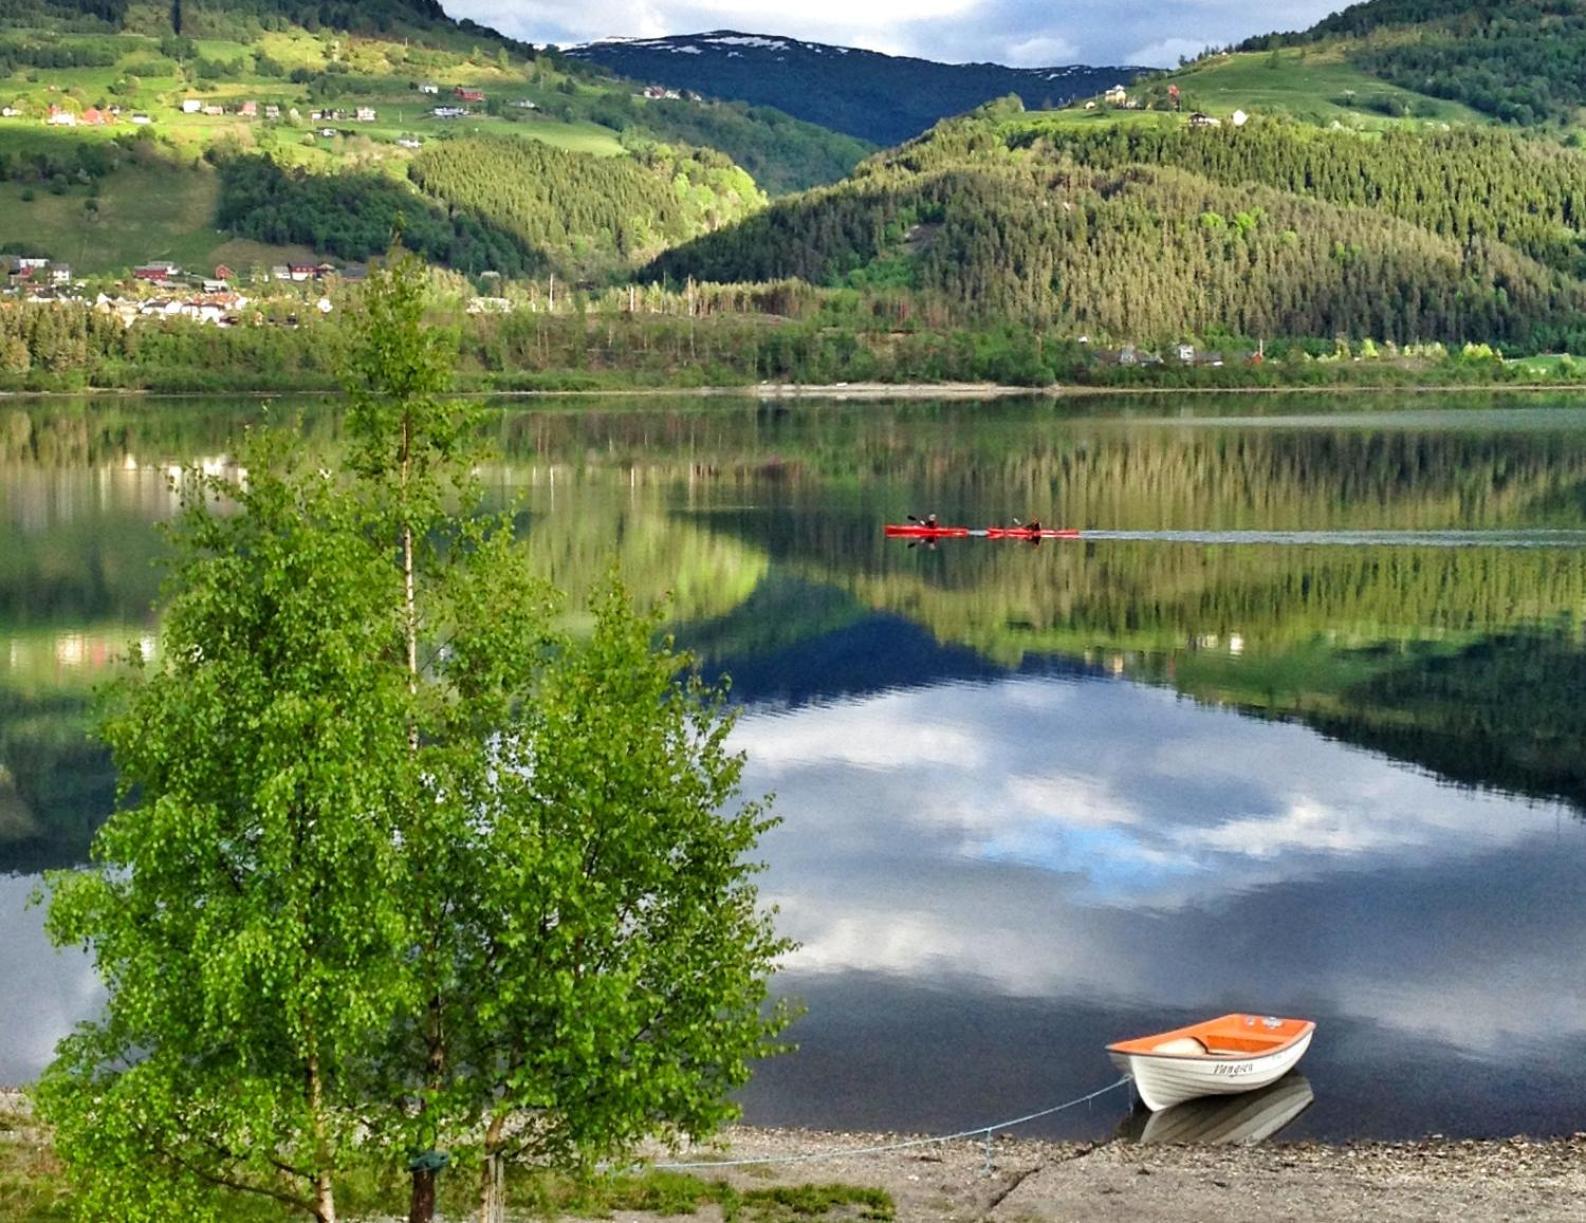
{"x":915,"y":530}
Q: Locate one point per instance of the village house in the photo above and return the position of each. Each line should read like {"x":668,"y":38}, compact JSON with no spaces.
{"x":139,"y":119}
{"x":157,"y":272}
{"x":365,"y":114}
{"x":214,"y":110}
{"x":429,"y":87}
{"x":469,"y":95}
{"x":450,"y":112}
{"x":272,"y":111}
{"x":1116,"y":96}
{"x":1239,"y":118}
{"x":303,"y":271}
{"x":93,"y":117}
{"x":192,"y":106}
{"x":10,"y":112}
{"x":250,"y":110}
{"x":409,"y":142}
{"x":60,"y":273}
{"x":526,"y":104}
{"x":1186,"y":354}
{"x":1201,"y":119}
{"x":280,"y":272}
{"x":61,"y":118}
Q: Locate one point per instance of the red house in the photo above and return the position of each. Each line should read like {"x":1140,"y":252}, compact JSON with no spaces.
{"x":469,"y":95}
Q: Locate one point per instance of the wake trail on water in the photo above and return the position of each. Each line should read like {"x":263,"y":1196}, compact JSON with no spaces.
{"x":1358,"y":539}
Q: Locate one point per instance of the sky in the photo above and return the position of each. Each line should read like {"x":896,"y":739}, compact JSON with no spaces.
{"x":1022,"y":33}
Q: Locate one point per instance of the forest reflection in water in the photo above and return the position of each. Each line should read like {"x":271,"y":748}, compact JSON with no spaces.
{"x":1298,"y":725}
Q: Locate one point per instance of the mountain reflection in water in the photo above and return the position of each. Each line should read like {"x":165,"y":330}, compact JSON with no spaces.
{"x":1300,"y":727}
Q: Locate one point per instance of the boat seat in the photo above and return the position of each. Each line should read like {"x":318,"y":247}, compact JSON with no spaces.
{"x":1182,"y":1045}
{"x":1193,"y":1046}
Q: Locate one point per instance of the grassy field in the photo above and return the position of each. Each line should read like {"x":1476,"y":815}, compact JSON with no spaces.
{"x":144,"y":213}
{"x":1317,"y":85}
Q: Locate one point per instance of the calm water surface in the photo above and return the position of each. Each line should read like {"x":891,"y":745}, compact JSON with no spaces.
{"x":1299,"y":727}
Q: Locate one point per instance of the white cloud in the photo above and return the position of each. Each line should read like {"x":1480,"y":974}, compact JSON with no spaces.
{"x":1166,"y":53}
{"x":1041,"y":51}
{"x":1029,"y":33}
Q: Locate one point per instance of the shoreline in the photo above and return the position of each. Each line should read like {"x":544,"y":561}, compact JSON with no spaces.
{"x":1022,"y":1180}
{"x":842,"y":391}
{"x":1035,"y":1181}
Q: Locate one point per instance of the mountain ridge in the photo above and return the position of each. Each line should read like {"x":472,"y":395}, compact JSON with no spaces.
{"x":869,"y":94}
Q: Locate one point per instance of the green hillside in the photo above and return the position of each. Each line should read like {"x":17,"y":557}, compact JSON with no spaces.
{"x":1521,"y":61}
{"x":1150,"y":233}
{"x":268,"y":67}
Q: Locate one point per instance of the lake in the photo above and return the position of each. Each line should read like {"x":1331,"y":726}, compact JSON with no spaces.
{"x":1298,"y":727}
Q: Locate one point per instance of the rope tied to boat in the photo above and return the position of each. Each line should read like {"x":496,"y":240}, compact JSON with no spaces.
{"x":906,"y":1144}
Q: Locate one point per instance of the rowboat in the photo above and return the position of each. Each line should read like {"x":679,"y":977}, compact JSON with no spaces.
{"x":1241,"y":1120}
{"x":914,"y":530}
{"x":1222,"y":1056}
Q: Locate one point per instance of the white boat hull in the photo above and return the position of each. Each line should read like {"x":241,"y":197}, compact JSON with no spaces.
{"x":1163,"y":1080}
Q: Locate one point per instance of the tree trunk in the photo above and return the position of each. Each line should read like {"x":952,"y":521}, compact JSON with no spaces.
{"x":493,"y":1189}
{"x":324,"y":1190}
{"x":421,"y":1205}
{"x":324,"y":1200}
{"x":493,"y":1176}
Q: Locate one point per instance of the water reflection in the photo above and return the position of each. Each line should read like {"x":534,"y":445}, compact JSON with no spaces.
{"x":1209,"y":760}
{"x":1240,"y":1120}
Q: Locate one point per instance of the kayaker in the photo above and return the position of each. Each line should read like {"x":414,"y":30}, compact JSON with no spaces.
{"x":930,"y":521}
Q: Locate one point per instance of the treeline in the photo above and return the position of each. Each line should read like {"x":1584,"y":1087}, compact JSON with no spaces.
{"x":1517,"y":59}
{"x":30,"y":53}
{"x":782,"y":153}
{"x":1528,"y":193}
{"x":356,"y":216}
{"x":57,"y":347}
{"x":581,"y":212}
{"x":1142,"y":253}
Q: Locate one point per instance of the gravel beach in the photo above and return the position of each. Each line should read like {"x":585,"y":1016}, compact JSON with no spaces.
{"x":1468,"y":1181}
{"x":1452,"y":1181}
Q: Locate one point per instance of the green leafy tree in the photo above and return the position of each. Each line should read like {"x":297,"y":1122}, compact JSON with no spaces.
{"x":407,"y":876}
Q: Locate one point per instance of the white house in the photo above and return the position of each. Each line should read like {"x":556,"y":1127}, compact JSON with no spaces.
{"x":1186,"y":354}
{"x":192,"y":106}
{"x":61,"y":118}
{"x":1239,"y":118}
{"x":429,"y":87}
{"x":365,"y":114}
{"x":1116,"y":96}
{"x":409,"y":142}
{"x":141,"y":120}
{"x":10,"y":112}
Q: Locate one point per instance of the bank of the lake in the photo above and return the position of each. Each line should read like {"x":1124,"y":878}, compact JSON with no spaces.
{"x":1033,"y":1181}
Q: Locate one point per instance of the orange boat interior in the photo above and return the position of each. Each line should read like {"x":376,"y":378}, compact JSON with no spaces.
{"x":1226,"y":1036}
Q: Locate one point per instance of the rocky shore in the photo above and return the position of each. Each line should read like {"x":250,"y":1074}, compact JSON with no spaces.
{"x":1446,"y":1180}
{"x":1032,"y":1182}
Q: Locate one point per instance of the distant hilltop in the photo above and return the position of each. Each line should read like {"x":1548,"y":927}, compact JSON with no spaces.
{"x":881,"y":98}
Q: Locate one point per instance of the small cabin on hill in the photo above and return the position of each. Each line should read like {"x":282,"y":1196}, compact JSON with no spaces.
{"x":469,"y":95}
{"x":1116,"y":96}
